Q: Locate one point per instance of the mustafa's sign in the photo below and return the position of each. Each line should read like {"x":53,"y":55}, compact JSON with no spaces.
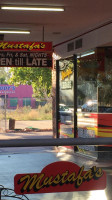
{"x":60,"y":176}
{"x":26,"y":46}
{"x":26,"y":54}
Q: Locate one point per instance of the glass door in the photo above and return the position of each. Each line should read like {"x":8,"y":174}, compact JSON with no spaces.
{"x":66,"y":98}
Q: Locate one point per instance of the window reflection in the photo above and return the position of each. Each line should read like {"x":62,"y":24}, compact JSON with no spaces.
{"x":95,"y":98}
{"x":66,"y":97}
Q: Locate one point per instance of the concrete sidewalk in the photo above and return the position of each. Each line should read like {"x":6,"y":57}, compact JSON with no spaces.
{"x":27,"y":130}
{"x":26,"y":135}
{"x":38,"y":124}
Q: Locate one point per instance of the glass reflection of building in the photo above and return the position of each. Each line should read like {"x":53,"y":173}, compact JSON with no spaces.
{"x":66,"y":97}
{"x":92,"y":116}
{"x":94,"y":84}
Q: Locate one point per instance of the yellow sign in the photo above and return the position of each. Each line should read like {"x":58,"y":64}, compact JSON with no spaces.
{"x":26,"y":46}
{"x":66,"y":73}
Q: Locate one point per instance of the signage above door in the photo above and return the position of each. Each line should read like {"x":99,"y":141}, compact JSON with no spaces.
{"x":26,"y":54}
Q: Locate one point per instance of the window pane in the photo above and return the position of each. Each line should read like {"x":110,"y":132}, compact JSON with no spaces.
{"x":27,"y":102}
{"x":66,"y":98}
{"x":13,"y":102}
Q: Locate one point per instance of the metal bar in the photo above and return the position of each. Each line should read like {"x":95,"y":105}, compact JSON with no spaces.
{"x":55,"y":142}
{"x":1,"y":188}
{"x":5,"y":112}
{"x":75,"y":96}
{"x":57,"y":99}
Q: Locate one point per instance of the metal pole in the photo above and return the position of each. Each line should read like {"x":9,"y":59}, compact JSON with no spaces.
{"x":55,"y":142}
{"x":57,"y":99}
{"x":5,"y":112}
{"x":75,"y":95}
{"x":1,"y":192}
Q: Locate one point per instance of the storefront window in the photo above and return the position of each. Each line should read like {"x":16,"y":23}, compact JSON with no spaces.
{"x":13,"y":102}
{"x":95,"y":97}
{"x":26,"y":101}
{"x":66,"y":98}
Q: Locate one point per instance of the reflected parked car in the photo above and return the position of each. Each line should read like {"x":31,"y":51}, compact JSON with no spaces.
{"x":63,"y":108}
{"x":92,"y":107}
{"x":66,"y":114}
{"x":108,"y":110}
{"x":89,"y":106}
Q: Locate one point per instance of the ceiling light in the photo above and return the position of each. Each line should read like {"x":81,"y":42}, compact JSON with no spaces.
{"x":14,"y":32}
{"x":32,"y":8}
{"x":86,"y":54}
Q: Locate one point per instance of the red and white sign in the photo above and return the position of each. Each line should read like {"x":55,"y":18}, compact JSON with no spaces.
{"x":60,"y":176}
{"x":26,"y":54}
{"x":25,"y":46}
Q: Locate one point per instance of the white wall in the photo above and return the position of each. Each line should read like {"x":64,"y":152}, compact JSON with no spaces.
{"x":96,"y":38}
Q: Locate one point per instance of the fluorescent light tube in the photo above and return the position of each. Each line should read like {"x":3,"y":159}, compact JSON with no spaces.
{"x":86,"y":54}
{"x":14,"y":32}
{"x":32,"y":8}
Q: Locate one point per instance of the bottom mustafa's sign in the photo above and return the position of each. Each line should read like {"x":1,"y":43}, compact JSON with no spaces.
{"x":25,"y":59}
{"x":60,"y":176}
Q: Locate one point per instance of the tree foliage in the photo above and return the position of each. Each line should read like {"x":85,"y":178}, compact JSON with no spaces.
{"x":39,"y":78}
{"x":4,"y":76}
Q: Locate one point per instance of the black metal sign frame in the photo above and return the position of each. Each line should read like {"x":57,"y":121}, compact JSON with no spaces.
{"x":74,"y":59}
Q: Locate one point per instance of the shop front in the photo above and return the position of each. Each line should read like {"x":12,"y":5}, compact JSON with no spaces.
{"x":85,"y":87}
{"x":65,"y":98}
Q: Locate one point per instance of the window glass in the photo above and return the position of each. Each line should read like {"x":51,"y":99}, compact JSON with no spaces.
{"x":87,"y":100}
{"x":95,"y":99}
{"x":13,"y":102}
{"x":26,"y":101}
{"x":66,"y":98}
